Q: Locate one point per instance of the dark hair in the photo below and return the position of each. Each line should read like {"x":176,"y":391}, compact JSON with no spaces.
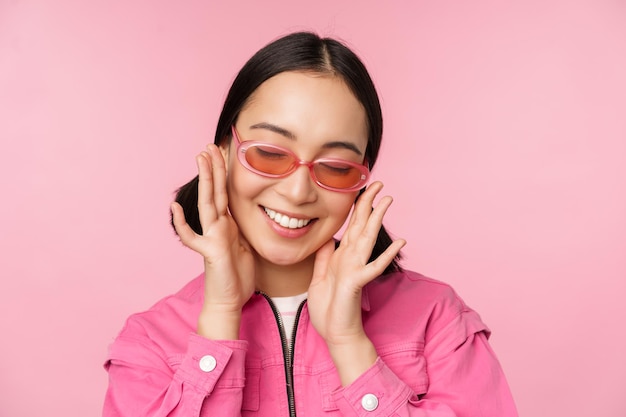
{"x":301,"y":51}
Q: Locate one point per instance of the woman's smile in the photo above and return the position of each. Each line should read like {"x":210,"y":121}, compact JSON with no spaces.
{"x":285,"y":220}
{"x":285,"y":226}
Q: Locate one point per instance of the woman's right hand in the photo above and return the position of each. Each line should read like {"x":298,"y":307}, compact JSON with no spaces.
{"x":228,"y":259}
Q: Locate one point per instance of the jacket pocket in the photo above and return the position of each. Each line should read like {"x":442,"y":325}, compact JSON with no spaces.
{"x":407,"y":361}
{"x":252,"y":389}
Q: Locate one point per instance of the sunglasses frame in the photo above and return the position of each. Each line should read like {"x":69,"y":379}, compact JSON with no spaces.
{"x":242,"y":147}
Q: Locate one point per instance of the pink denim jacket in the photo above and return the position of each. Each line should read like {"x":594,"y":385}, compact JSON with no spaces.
{"x":434,"y":360}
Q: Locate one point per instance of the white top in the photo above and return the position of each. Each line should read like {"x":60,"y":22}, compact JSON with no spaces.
{"x":288,"y":308}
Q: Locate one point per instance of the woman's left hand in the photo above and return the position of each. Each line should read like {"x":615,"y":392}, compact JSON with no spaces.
{"x":334,"y":296}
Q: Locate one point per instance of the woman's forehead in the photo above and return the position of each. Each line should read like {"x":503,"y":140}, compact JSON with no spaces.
{"x":304,"y":102}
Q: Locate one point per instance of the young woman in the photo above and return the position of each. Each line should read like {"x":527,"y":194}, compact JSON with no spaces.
{"x":285,"y":321}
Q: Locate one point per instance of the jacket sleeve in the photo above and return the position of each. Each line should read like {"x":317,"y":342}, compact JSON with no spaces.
{"x":208,"y":380}
{"x":465,"y":380}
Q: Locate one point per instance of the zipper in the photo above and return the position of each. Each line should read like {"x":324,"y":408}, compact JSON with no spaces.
{"x":287,"y":351}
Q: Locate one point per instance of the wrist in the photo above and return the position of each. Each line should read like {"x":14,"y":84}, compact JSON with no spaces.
{"x":219,"y":325}
{"x":352,"y":358}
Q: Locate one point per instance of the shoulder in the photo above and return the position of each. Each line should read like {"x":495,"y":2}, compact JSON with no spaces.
{"x":431,"y":305}
{"x":169,"y":319}
{"x":415,"y":287}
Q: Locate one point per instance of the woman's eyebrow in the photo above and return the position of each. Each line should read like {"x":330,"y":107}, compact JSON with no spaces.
{"x":275,"y":129}
{"x":343,"y":145}
{"x":289,"y":135}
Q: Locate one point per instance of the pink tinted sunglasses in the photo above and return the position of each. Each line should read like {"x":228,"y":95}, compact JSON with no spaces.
{"x":277,"y":162}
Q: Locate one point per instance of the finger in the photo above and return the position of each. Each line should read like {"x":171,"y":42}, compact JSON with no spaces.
{"x":362,"y":212}
{"x":375,"y":221}
{"x":220,"y":196}
{"x":378,"y":265}
{"x":206,"y":205}
{"x":363,"y":206}
{"x":184,"y":231}
{"x":367,"y":237}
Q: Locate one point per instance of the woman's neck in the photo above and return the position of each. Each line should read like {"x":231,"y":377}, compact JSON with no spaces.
{"x":283,"y":280}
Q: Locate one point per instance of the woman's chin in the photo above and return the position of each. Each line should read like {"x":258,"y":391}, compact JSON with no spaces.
{"x":284,"y":257}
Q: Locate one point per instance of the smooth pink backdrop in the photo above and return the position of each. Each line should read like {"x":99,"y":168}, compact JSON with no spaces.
{"x":505,"y":150}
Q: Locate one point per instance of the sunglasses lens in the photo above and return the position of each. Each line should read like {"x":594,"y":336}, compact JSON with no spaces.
{"x":274,"y":161}
{"x":337,"y":174}
{"x":269,"y":160}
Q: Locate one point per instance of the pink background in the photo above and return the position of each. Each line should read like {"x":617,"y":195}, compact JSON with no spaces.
{"x":505,"y":151}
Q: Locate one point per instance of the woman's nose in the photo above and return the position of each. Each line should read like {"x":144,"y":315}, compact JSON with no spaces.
{"x":298,"y":187}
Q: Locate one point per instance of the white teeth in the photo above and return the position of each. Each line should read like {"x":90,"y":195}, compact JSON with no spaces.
{"x":286,"y":221}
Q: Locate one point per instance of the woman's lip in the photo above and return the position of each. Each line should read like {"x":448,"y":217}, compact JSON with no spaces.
{"x":289,"y":214}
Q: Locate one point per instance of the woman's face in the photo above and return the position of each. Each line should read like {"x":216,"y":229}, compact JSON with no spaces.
{"x":314,"y":116}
